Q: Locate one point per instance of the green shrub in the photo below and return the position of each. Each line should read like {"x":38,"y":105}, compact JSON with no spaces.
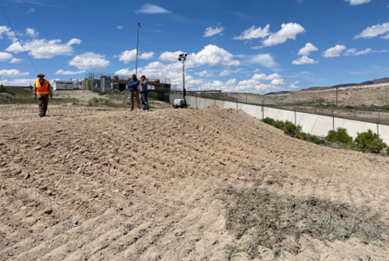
{"x":97,"y":101}
{"x":370,"y":142}
{"x":339,"y":135}
{"x":3,"y":89}
{"x":116,"y":91}
{"x":96,"y":89}
{"x":153,"y":95}
{"x":315,"y":140}
{"x":291,"y":129}
{"x":279,"y":125}
{"x":269,"y":121}
{"x":5,"y":97}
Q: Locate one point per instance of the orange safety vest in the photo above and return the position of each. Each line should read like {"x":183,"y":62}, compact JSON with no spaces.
{"x":42,"y":90}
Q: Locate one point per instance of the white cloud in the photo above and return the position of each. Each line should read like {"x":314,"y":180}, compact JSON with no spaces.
{"x":43,"y":49}
{"x":263,"y":77}
{"x":12,"y":73}
{"x":119,"y":27}
{"x":31,"y":32}
{"x":265,"y":60}
{"x":304,"y":60}
{"x":307,"y":49}
{"x":294,"y":85}
{"x":213,"y":31}
{"x":277,"y":82}
{"x":254,"y":33}
{"x":89,"y":60}
{"x":374,"y":31}
{"x":334,"y":51}
{"x":228,"y":71}
{"x":288,"y":31}
{"x":62,"y":72}
{"x":15,"y":60}
{"x":204,"y":73}
{"x":128,"y":56}
{"x":5,"y":56}
{"x":152,"y":9}
{"x":219,"y":85}
{"x":170,"y":56}
{"x":358,"y":2}
{"x":146,"y":56}
{"x":211,"y":55}
{"x":189,"y":80}
{"x":3,"y":29}
{"x":353,"y":51}
{"x":18,"y":82}
{"x":31,"y":10}
{"x":256,"y":70}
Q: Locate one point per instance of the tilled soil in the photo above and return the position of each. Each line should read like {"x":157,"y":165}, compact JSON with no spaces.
{"x":121,"y":185}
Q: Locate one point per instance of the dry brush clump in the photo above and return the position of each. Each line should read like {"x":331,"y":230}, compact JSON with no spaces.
{"x":278,"y":221}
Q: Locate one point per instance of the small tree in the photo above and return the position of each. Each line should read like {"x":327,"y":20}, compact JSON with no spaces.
{"x":370,"y":142}
{"x":339,"y":135}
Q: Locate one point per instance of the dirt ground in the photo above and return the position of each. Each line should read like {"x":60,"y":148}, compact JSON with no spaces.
{"x":110,"y":184}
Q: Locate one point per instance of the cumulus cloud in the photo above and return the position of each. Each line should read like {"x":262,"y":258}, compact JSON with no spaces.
{"x":31,"y":10}
{"x":128,"y":56}
{"x":304,"y":60}
{"x":204,"y":73}
{"x":210,"y":31}
{"x":277,"y":82}
{"x":119,"y":27}
{"x":374,"y":31}
{"x":265,"y":60}
{"x":43,"y":49}
{"x":228,"y":71}
{"x":15,"y":60}
{"x":152,"y":9}
{"x":62,"y":72}
{"x":307,"y":49}
{"x":5,"y":56}
{"x":31,"y":32}
{"x":358,"y":2}
{"x":334,"y":51}
{"x":219,"y":85}
{"x":3,"y":29}
{"x":263,"y":77}
{"x":12,"y":73}
{"x":211,"y":55}
{"x":294,"y":85}
{"x":18,"y":82}
{"x":288,"y":31}
{"x":89,"y":60}
{"x":254,"y":33}
{"x":354,"y":52}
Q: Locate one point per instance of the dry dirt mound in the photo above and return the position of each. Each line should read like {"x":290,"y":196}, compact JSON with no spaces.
{"x":120,"y":185}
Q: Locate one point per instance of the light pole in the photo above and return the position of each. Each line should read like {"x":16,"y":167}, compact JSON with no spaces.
{"x":182,"y":58}
{"x":137,"y":46}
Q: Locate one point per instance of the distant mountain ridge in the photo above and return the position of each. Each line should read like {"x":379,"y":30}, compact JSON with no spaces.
{"x":377,"y":81}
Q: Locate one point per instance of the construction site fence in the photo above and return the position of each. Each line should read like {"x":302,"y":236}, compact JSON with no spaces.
{"x":371,"y":114}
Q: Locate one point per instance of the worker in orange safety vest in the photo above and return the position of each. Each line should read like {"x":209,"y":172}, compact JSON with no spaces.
{"x":42,"y":91}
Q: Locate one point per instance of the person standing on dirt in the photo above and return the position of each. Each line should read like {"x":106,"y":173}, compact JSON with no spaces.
{"x":144,"y":93}
{"x":133,"y":87}
{"x":42,"y":90}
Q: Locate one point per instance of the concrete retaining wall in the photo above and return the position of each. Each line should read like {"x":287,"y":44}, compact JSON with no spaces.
{"x":317,"y":125}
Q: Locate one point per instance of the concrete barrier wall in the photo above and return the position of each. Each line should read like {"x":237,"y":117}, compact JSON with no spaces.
{"x":313,"y":124}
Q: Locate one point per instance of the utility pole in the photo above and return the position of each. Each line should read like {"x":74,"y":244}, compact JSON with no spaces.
{"x":336,"y":96}
{"x":182,"y":58}
{"x":137,"y":47}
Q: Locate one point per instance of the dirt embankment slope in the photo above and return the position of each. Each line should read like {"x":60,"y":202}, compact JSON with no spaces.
{"x":116,"y":185}
{"x":375,"y":94}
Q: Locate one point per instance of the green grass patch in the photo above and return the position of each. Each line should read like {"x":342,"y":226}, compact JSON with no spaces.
{"x":277,"y":221}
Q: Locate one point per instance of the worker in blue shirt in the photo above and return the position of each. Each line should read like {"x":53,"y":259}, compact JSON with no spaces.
{"x":133,"y":86}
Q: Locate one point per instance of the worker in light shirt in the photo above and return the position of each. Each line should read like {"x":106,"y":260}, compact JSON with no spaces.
{"x":42,"y":90}
{"x":144,"y":93}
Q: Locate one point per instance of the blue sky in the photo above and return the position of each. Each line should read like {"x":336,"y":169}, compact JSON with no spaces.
{"x":245,"y":46}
